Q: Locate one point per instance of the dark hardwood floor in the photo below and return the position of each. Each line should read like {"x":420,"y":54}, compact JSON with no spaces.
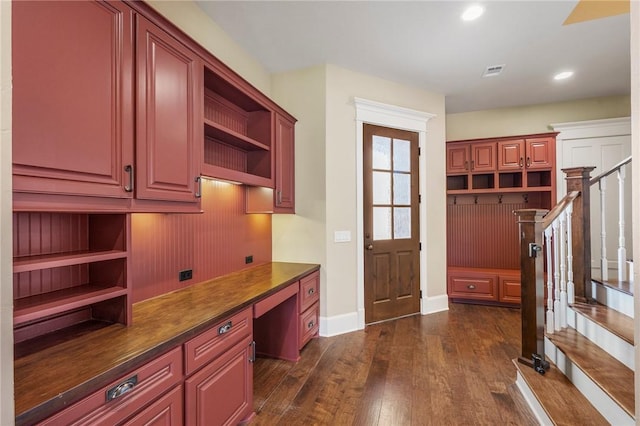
{"x":448,"y":368}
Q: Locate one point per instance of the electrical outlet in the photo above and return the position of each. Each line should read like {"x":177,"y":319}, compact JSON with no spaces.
{"x":187,"y":274}
{"x":248,"y":259}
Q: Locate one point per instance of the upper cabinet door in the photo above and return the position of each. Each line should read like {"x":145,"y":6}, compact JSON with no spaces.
{"x":284,"y":166}
{"x":169,"y":111}
{"x":483,"y":158}
{"x":540,"y":153}
{"x":511,"y":154}
{"x":458,"y":158}
{"x":72,"y":97}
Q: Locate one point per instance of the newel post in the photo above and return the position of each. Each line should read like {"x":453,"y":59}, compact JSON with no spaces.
{"x":578,"y":179}
{"x":531,"y":283}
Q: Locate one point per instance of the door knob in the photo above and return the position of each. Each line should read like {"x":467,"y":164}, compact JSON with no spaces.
{"x":370,"y":247}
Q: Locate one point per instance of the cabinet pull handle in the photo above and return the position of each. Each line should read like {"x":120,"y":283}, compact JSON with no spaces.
{"x":528,"y":161}
{"x":471,"y":287}
{"x":225,"y":328}
{"x":129,"y":169}
{"x":466,"y":165}
{"x":252,"y":357}
{"x":198,"y":193}
{"x":278,"y":197}
{"x":310,"y":325}
{"x":122,"y":388}
{"x":311,"y":291}
{"x":521,"y":163}
{"x":473,"y":165}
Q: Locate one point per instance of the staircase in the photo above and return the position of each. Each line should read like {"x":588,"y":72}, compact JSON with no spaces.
{"x":586,"y":332}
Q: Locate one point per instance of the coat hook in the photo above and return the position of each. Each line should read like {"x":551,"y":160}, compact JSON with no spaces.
{"x":475,"y":199}
{"x":500,"y":199}
{"x":455,"y":200}
{"x":525,"y":197}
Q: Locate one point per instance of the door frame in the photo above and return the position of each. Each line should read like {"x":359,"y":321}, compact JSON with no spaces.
{"x":380,"y":114}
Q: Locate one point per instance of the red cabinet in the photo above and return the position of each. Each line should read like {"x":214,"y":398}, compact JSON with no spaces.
{"x":471,"y":158}
{"x":308,"y":301}
{"x":220,"y":392}
{"x":168,"y":140}
{"x":72,"y":97}
{"x":284,"y":191}
{"x":511,"y":154}
{"x":529,"y":153}
{"x":540,"y":153}
{"x":78,"y":90}
{"x":124,"y":397}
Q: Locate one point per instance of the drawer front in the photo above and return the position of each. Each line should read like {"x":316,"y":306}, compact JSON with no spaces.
{"x":265,"y":305}
{"x":473,"y":287}
{"x":167,"y":410}
{"x":308,"y":325}
{"x":309,"y":290}
{"x":152,"y":380}
{"x":205,"y":347}
{"x":510,"y":289}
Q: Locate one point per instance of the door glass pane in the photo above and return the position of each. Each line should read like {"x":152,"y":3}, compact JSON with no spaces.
{"x":381,"y":188}
{"x":382,"y":223}
{"x":401,"y":188}
{"x":402,"y":222}
{"x":401,"y":155}
{"x":381,"y":153}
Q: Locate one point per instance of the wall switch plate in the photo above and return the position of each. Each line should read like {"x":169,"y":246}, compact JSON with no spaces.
{"x":342,"y":236}
{"x":186,"y":274}
{"x":248,"y":259}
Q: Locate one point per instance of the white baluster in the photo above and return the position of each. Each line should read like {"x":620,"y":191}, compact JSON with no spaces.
{"x":622,"y":250}
{"x":570,"y":286}
{"x":563,"y":271}
{"x":547,"y":246}
{"x":604,"y":268}
{"x":556,"y":276}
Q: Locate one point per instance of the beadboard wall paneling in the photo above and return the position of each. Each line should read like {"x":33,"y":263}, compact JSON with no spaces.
{"x":212,"y":244}
{"x":485,"y":234}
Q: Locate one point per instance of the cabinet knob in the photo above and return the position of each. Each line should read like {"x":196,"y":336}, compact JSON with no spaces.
{"x":310,"y":325}
{"x":311,"y":291}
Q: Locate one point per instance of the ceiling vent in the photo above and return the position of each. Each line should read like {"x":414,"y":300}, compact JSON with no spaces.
{"x":493,"y":70}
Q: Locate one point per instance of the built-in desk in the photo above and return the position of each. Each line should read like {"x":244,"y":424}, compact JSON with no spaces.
{"x":57,"y":377}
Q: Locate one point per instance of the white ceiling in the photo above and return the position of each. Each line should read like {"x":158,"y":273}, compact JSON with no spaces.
{"x":425,"y":44}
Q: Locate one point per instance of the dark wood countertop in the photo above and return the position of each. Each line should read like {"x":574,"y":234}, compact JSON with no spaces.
{"x":52,"y":379}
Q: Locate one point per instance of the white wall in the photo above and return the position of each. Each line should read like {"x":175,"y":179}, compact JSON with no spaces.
{"x":533,"y":118}
{"x":6,"y":288}
{"x":326,"y":179}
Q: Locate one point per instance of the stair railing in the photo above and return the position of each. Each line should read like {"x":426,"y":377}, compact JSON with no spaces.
{"x":560,"y":236}
{"x":620,"y":170}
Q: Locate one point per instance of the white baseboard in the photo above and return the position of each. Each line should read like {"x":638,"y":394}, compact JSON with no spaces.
{"x":339,"y":324}
{"x":431,"y":305}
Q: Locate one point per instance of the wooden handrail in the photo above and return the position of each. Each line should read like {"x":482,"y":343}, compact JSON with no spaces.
{"x":610,"y":171}
{"x":559,"y":208}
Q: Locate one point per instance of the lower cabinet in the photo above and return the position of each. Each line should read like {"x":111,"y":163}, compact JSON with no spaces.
{"x":479,"y":285}
{"x":309,"y":308}
{"x":121,"y":399}
{"x":167,"y":410}
{"x":220,"y":390}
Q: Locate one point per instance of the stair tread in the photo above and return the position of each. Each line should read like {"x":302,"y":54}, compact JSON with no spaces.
{"x":617,"y":323}
{"x":561,"y":400}
{"x":612,"y":282}
{"x":612,"y":376}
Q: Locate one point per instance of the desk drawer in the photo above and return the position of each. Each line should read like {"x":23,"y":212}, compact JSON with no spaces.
{"x":265,"y":305}
{"x":207,"y":346}
{"x":309,"y":290}
{"x":145,"y":383}
{"x":308,"y":325}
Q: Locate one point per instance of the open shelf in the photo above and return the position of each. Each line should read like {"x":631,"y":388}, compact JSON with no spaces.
{"x":69,"y":268}
{"x":49,"y":304}
{"x":510,"y":180}
{"x":539,"y":179}
{"x":216,"y":131}
{"x":483,"y":181}
{"x":46,"y":261}
{"x":456,"y":183}
{"x":238,"y":134}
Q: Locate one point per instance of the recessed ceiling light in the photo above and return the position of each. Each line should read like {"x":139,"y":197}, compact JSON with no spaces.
{"x":472,"y":12}
{"x":563,"y":75}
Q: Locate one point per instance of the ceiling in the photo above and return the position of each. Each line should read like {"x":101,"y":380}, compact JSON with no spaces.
{"x":425,"y":44}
